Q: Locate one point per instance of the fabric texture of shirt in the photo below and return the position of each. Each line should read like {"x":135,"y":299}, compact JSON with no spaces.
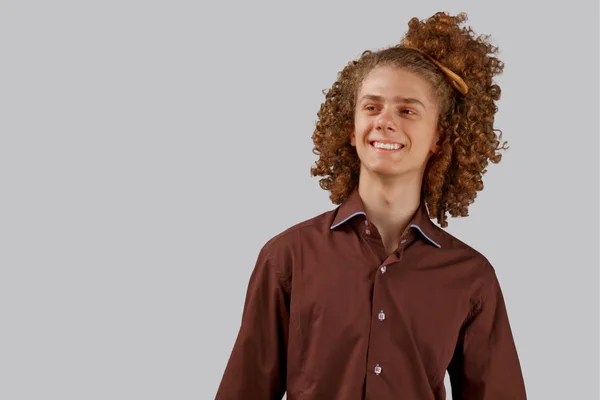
{"x":328,"y":315}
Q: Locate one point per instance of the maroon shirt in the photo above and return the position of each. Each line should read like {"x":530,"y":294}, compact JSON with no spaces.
{"x":329,"y":315}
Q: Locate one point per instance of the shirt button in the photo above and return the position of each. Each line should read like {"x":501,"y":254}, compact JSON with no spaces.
{"x":377,"y":369}
{"x":383,"y":269}
{"x":381,"y":315}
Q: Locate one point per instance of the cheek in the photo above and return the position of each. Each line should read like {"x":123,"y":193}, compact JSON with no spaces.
{"x":362,"y":126}
{"x":361,"y":119}
{"x":421,"y":137}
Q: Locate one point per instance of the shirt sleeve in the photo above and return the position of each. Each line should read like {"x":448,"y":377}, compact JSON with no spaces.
{"x":485,"y":365}
{"x":257,"y":365}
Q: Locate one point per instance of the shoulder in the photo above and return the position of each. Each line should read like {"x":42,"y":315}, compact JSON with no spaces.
{"x":282,"y":248}
{"x":475,"y":271}
{"x":475,"y":264}
{"x":293,"y":236}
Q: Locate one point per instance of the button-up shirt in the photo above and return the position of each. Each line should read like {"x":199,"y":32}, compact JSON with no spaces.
{"x":329,"y":315}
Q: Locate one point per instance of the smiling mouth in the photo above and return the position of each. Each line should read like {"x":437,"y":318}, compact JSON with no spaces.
{"x":386,"y":147}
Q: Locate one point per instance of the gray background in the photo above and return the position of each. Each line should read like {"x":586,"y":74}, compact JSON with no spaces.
{"x":150,"y":149}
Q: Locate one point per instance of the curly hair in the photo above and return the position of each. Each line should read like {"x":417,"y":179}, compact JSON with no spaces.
{"x":468,"y":140}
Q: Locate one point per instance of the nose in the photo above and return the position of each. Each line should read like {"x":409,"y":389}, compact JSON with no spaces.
{"x":385,"y":120}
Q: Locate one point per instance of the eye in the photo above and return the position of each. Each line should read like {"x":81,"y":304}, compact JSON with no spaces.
{"x":371,"y":108}
{"x":407,"y":111}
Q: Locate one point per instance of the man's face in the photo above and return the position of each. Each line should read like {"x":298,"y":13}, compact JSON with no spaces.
{"x":395,"y":123}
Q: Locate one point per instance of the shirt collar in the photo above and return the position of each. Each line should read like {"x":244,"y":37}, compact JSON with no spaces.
{"x":353,"y":206}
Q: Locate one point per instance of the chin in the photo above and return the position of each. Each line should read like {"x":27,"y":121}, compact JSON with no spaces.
{"x":387,"y":171}
{"x":390,"y":173}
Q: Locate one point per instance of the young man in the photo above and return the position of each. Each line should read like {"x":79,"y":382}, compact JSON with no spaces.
{"x":372,"y":300}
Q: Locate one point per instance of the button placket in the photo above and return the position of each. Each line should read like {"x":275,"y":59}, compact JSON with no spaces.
{"x":377,"y":348}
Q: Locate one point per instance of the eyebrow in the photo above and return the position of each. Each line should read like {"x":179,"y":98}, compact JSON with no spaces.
{"x":396,"y":99}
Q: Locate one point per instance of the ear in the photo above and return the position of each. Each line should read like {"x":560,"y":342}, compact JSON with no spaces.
{"x":353,"y":138}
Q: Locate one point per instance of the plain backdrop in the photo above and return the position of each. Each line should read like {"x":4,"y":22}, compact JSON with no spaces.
{"x":149,"y":149}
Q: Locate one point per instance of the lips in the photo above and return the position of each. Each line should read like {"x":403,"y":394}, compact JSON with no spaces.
{"x":386,"y":145}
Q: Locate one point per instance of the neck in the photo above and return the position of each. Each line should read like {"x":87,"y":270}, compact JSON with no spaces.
{"x":390,"y":204}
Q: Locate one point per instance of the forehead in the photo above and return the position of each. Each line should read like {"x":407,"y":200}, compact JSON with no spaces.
{"x":390,"y":82}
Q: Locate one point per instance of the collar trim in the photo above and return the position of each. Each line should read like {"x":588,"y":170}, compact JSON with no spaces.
{"x":351,"y":216}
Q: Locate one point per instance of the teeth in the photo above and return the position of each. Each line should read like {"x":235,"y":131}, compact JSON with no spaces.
{"x":387,"y":146}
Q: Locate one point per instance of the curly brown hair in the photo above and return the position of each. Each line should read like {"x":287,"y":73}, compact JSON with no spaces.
{"x":468,"y":140}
